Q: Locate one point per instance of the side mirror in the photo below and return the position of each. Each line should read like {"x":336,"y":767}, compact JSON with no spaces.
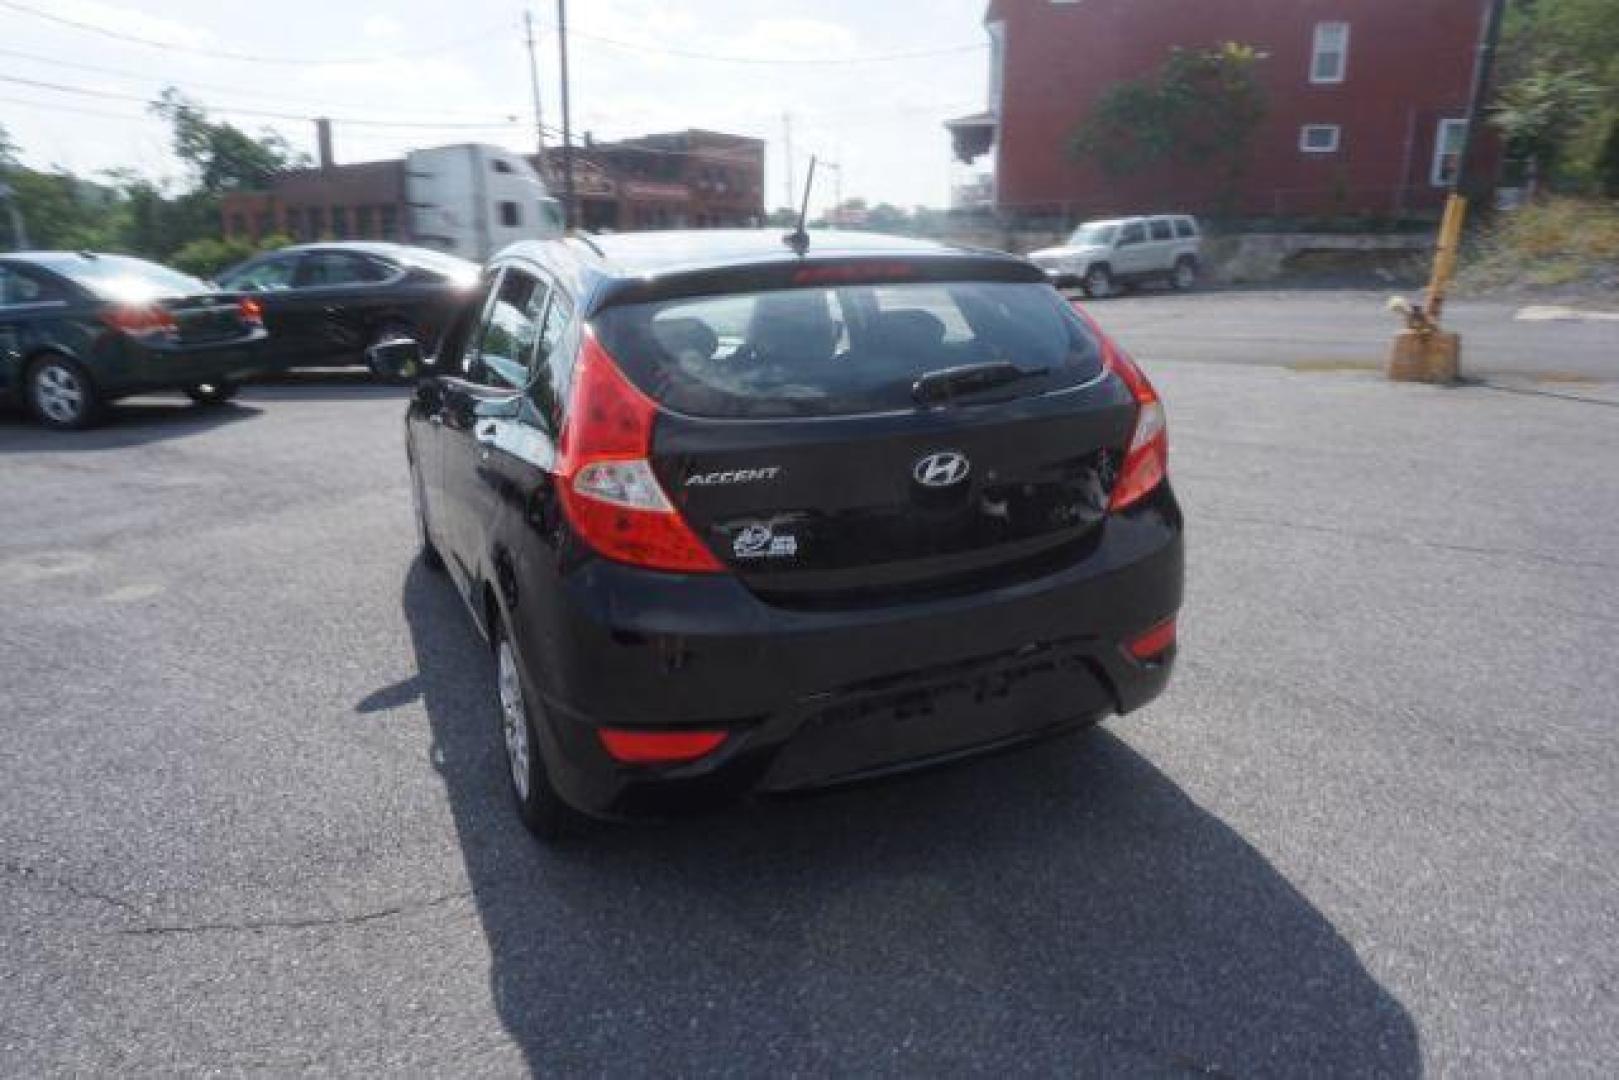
{"x":398,"y":358}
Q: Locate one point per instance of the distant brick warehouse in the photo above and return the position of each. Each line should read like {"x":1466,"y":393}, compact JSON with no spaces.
{"x":363,"y":201}
{"x":690,"y":179}
{"x":1366,"y":100}
{"x":683,"y":180}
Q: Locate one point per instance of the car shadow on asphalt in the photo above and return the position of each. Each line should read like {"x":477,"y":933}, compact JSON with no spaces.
{"x":134,"y":422}
{"x":1059,"y":909}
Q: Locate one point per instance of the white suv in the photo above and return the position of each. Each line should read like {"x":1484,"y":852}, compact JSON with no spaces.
{"x":1103,"y":256}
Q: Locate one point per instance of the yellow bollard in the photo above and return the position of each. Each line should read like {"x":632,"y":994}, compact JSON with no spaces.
{"x":1423,"y":352}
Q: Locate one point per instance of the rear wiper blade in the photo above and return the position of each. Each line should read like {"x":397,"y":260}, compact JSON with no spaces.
{"x":938,"y":387}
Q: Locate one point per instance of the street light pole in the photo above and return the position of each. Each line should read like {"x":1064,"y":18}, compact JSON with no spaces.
{"x":570,"y":212}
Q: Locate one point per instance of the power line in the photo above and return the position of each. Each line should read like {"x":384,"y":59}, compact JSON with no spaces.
{"x":248,"y":58}
{"x":191,"y":84}
{"x":691,"y":54}
{"x":265,"y":113}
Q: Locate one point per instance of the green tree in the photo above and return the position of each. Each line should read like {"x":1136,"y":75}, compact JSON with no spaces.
{"x":1547,"y":39}
{"x":1200,"y":107}
{"x":1539,"y":115}
{"x":220,"y":155}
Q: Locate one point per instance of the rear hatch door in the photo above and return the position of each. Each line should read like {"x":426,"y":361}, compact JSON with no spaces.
{"x":795,"y":440}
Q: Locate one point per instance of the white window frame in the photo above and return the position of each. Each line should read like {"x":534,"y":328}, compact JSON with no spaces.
{"x":1434,"y":167}
{"x":1337,"y":138}
{"x":1318,"y":50}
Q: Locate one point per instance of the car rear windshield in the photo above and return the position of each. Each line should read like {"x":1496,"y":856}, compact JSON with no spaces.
{"x":121,"y":278}
{"x":843,"y":350}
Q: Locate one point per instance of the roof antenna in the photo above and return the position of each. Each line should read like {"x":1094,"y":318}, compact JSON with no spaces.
{"x":798,"y":239}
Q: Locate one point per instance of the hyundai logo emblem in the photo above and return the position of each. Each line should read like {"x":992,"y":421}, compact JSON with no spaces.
{"x":942,"y":469}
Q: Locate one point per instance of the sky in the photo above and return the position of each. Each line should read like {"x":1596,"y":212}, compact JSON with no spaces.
{"x":399,"y":74}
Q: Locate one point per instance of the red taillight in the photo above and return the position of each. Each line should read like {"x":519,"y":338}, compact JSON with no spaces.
{"x":140,"y":319}
{"x":1154,"y":642}
{"x":251,"y":311}
{"x":609,"y":491}
{"x":1147,"y":461}
{"x":659,"y":747}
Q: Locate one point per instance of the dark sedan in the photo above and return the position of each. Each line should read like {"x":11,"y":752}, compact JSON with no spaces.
{"x":326,"y":304}
{"x":79,"y":329}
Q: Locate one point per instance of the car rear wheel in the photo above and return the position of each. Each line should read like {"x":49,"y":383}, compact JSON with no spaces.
{"x":392,"y":331}
{"x":538,"y":804}
{"x":1099,"y":283}
{"x":212,"y":393}
{"x":61,"y":395}
{"x":1184,"y":276}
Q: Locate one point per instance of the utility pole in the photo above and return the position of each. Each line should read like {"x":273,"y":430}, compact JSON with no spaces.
{"x":534,"y":87}
{"x":787,"y":156}
{"x":1483,"y":72}
{"x":1424,"y":352}
{"x":569,"y":210}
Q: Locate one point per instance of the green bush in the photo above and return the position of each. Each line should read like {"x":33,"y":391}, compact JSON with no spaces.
{"x":206,"y":257}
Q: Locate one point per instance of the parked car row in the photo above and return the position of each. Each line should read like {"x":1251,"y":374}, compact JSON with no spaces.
{"x":79,"y":330}
{"x":734,"y":515}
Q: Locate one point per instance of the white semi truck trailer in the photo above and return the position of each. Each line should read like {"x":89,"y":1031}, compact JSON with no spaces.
{"x":472,"y":200}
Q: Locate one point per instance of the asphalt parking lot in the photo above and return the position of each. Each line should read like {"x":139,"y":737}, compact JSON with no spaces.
{"x":252,"y":815}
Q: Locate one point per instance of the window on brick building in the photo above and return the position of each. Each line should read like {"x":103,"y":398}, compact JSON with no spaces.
{"x":1319,"y":138}
{"x":1329,"y":61}
{"x":388,"y":222}
{"x":340,"y":222}
{"x":362,"y":222}
{"x":1447,"y":151}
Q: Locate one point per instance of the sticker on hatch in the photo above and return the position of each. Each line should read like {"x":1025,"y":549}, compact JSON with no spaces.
{"x":762,"y":542}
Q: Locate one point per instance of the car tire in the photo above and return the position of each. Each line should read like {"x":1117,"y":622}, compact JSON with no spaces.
{"x":213,"y":393}
{"x":61,"y":394}
{"x":538,"y":804}
{"x":1184,"y":277}
{"x":389,"y":331}
{"x":425,"y":547}
{"x":1099,"y":283}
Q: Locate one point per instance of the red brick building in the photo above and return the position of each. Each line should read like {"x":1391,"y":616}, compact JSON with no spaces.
{"x":1365,"y":102}
{"x":682,"y":180}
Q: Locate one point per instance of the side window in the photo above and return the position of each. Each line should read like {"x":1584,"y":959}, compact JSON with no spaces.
{"x":270,"y":275}
{"x":20,"y":287}
{"x":1161,"y":229}
{"x":1134,"y":233}
{"x":1185,"y":229}
{"x":511,"y":331}
{"x":323,"y":269}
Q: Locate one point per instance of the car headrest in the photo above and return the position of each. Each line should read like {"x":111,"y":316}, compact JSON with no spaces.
{"x":686,"y":339}
{"x":909,"y":331}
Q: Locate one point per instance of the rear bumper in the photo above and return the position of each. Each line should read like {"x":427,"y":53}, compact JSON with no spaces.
{"x":167,"y":367}
{"x":813,"y":698}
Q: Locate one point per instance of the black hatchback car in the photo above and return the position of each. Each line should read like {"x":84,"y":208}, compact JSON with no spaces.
{"x":326,"y":304}
{"x":736,"y":520}
{"x":80,"y":329}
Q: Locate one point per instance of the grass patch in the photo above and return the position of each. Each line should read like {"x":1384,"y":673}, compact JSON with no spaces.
{"x":1557,"y":243}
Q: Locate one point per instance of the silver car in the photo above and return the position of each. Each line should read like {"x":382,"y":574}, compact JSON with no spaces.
{"x":1103,"y":257}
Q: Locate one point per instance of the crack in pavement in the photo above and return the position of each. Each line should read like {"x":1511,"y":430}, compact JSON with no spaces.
{"x":1414,"y":541}
{"x":33,"y":877}
{"x":310,"y":923}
